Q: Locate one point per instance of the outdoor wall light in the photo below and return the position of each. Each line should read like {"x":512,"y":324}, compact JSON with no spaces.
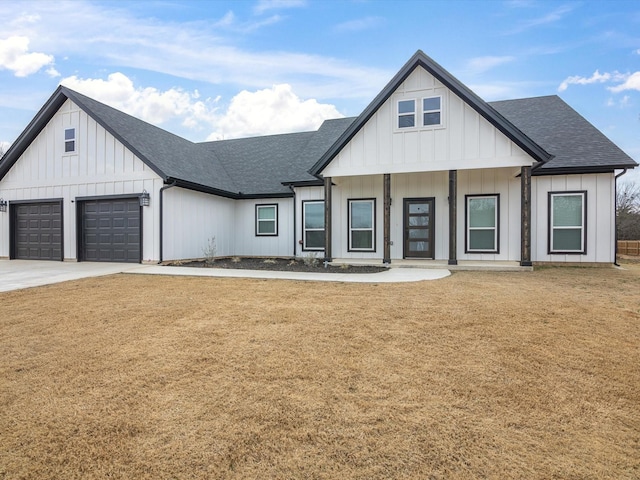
{"x":3,"y":205}
{"x":145,"y":198}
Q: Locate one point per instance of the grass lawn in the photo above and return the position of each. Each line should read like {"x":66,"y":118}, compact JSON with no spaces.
{"x":479,"y":375}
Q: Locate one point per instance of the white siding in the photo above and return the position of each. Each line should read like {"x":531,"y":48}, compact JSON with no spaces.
{"x":304,"y":194}
{"x":465,"y":140}
{"x":247,"y":243}
{"x":600,"y":235}
{"x":192,"y":219}
{"x":100,"y":166}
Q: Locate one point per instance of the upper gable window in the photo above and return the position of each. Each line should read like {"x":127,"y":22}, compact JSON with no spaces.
{"x":69,"y":140}
{"x":406,"y":113}
{"x":423,"y":112}
{"x":431,"y":111}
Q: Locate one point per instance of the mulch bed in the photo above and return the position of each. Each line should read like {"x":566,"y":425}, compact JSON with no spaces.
{"x":279,"y":264}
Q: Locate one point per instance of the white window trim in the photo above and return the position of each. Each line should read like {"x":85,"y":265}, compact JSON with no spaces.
{"x":265,"y":220}
{"x":582,"y":227}
{"x":372,"y":201}
{"x":423,"y":111}
{"x":305,"y":229}
{"x":414,"y":114}
{"x":495,"y":228}
{"x":74,"y":140}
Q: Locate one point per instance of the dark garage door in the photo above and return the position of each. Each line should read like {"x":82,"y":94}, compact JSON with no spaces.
{"x":37,"y":230}
{"x":110,"y":230}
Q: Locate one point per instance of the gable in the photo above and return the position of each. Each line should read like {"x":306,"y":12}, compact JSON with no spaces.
{"x":97,"y":155}
{"x":463,"y":138}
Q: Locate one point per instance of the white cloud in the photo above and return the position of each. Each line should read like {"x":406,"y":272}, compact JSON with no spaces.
{"x":597,"y":77}
{"x":149,"y":104}
{"x":359,"y":24}
{"x":266,"y":5}
{"x":15,"y":56}
{"x":550,"y":18}
{"x":631,"y":82}
{"x":270,"y":111}
{"x":482,"y":64}
{"x":4,"y":146}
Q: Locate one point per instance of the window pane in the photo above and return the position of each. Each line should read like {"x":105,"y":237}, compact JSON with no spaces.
{"x":361,"y":214}
{"x":406,"y":106}
{"x":432,"y":118}
{"x":362,"y":239}
{"x":405,"y":121}
{"x":432,"y":103}
{"x":419,"y":208}
{"x":418,"y":233}
{"x":569,"y":239}
{"x":482,"y":212}
{"x":482,"y":240}
{"x":314,"y":239}
{"x":70,"y":134}
{"x":567,"y":210}
{"x":266,"y":227}
{"x":314,"y":215}
{"x":419,"y":221}
{"x":70,"y":146}
{"x":267,"y":213}
{"x":418,"y":246}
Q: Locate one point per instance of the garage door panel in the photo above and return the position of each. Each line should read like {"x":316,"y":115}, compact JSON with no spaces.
{"x":37,"y":230}
{"x":111,"y":230}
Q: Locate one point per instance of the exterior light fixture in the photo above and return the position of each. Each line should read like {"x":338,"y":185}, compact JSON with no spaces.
{"x":145,"y":198}
{"x":3,"y":205}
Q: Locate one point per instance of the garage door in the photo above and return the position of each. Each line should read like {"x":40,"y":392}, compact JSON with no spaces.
{"x":37,"y":230}
{"x":110,"y":230}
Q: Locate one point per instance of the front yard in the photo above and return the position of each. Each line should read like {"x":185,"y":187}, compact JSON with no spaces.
{"x":479,"y":375}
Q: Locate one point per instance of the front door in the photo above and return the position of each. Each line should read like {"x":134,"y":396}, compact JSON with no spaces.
{"x":418,"y":227}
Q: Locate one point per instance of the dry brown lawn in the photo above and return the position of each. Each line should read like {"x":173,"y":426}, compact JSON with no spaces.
{"x":479,"y":375}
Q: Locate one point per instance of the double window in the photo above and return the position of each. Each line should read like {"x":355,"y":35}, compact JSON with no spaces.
{"x":567,"y":222}
{"x":482,"y":214}
{"x":362,"y":215}
{"x":69,"y":140}
{"x":267,"y":220}
{"x":428,"y":109}
{"x":313,"y":225}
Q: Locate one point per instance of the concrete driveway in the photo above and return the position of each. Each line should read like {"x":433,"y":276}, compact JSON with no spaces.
{"x":17,"y":274}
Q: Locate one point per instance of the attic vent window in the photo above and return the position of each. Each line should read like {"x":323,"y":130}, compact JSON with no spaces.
{"x":69,"y":140}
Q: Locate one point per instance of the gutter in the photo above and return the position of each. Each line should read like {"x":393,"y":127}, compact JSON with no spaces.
{"x":166,"y":187}
{"x":294,"y":219}
{"x":615,"y":213}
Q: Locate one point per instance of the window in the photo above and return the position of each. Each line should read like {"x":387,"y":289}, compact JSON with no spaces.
{"x":482,"y":223}
{"x":567,"y":220}
{"x":69,"y":140}
{"x":431,"y":111}
{"x":267,"y":220}
{"x":406,"y":113}
{"x":362,"y":225}
{"x":313,"y":225}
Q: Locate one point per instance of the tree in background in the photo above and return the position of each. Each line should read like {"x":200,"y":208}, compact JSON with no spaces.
{"x":628,"y":211}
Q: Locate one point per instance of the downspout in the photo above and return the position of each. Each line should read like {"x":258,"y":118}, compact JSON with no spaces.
{"x":173,"y":184}
{"x":295,"y":246}
{"x":615,"y":213}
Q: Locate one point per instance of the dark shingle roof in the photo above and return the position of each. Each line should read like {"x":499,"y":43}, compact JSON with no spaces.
{"x":577,"y":146}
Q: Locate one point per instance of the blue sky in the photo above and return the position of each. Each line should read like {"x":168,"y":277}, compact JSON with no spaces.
{"x":223,"y":69}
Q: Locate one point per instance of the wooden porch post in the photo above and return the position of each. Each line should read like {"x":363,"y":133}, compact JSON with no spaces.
{"x":525,"y":216}
{"x":453,"y":217}
{"x":327,"y":219}
{"x":387,"y":219}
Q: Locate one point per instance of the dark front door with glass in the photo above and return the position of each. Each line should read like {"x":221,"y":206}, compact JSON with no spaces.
{"x":418,"y":227}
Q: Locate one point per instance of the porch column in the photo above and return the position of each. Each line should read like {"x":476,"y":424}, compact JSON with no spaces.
{"x":327,"y":219}
{"x":387,"y":219}
{"x":453,"y":217}
{"x":525,"y":217}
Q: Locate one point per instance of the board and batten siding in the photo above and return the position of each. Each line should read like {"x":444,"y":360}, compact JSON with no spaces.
{"x":600,"y":235}
{"x":304,"y":194}
{"x":247,"y":243}
{"x":465,"y":140}
{"x":100,"y":166}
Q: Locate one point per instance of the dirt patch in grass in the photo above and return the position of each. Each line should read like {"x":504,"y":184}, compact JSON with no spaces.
{"x":311,"y":264}
{"x":478,"y":375}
